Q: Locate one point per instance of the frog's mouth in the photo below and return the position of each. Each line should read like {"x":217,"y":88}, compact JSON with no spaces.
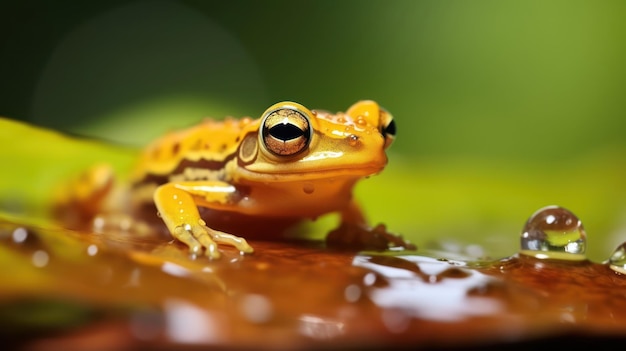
{"x":315,"y":166}
{"x":323,"y":173}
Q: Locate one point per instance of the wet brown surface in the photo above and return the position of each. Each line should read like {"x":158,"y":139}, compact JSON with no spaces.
{"x":70,"y":290}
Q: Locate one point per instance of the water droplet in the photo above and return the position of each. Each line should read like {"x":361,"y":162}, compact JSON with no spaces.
{"x":188,"y":323}
{"x":369,"y":279}
{"x":352,"y":293}
{"x":92,"y":250}
{"x":617,"y":261}
{"x":308,"y":188}
{"x":353,"y":140}
{"x":40,"y":258}
{"x":174,"y":269}
{"x":554,"y":232}
{"x":20,"y":235}
{"x":256,"y":308}
{"x":98,"y":224}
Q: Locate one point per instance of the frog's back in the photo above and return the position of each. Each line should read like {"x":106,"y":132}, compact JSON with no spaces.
{"x":209,"y":144}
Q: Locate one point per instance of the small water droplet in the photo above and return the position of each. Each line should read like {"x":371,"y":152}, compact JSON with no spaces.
{"x":92,"y":250}
{"x":308,"y":188}
{"x":353,"y":140}
{"x":40,"y":258}
{"x":617,"y":261}
{"x":554,"y":232}
{"x":20,"y":235}
{"x":256,"y":308}
{"x":369,"y":279}
{"x":98,"y":224}
{"x":352,"y":293}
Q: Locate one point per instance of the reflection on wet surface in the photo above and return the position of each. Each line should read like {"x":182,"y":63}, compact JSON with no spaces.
{"x":427,"y":288}
{"x":70,"y":289}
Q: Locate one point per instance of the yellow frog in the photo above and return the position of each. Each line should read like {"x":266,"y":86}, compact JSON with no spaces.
{"x":258,"y":176}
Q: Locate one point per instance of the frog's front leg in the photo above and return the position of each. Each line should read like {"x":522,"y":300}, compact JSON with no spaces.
{"x":177,"y":206}
{"x":354,"y":233}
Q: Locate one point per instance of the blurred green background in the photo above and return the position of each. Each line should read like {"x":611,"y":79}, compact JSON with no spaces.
{"x":502,"y":107}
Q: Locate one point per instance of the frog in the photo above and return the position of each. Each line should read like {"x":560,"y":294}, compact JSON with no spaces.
{"x":290,"y":164}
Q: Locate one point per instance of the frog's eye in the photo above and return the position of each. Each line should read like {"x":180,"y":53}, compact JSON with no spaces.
{"x":285,"y":131}
{"x":388,"y":128}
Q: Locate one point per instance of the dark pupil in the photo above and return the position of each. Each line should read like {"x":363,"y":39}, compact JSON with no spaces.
{"x":285,"y":131}
{"x":390,"y":129}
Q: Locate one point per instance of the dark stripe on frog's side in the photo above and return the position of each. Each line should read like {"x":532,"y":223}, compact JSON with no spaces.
{"x":211,"y":165}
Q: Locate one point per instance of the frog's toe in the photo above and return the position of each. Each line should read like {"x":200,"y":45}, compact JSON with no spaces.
{"x":202,"y":234}
{"x":228,"y":239}
{"x":185,"y":234}
{"x":237,"y":242}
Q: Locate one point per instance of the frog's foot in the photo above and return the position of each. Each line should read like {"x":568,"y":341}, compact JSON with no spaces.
{"x":198,"y":237}
{"x":357,"y":237}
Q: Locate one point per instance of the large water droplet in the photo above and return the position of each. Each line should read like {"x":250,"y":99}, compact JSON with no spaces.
{"x":556,"y":233}
{"x":617,"y":261}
